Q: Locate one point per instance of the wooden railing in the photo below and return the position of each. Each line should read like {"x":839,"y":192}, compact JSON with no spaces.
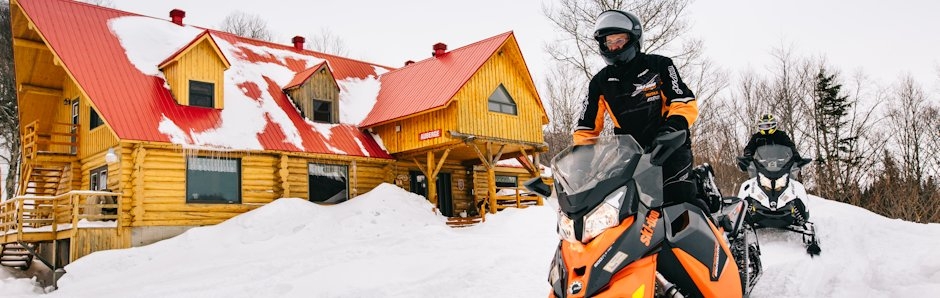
{"x":30,"y":139}
{"x":61,"y":138}
{"x":521,"y":197}
{"x":27,"y":214}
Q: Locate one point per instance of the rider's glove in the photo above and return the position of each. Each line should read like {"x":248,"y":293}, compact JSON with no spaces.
{"x":672,"y":124}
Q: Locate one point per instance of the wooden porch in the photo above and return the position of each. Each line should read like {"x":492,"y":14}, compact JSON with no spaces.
{"x":28,"y":220}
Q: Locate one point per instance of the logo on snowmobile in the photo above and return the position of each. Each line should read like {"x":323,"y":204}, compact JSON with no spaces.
{"x":575,"y":288}
{"x":646,"y":235}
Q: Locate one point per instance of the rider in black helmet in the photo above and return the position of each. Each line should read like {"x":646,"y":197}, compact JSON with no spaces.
{"x":644,"y":96}
{"x":768,"y":134}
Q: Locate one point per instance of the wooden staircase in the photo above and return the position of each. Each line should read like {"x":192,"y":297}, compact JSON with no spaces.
{"x":42,"y":180}
{"x":16,"y":255}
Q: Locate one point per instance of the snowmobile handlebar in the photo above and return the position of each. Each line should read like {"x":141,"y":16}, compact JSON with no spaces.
{"x":665,"y":145}
{"x":743,"y":162}
{"x":803,"y":161}
{"x":538,"y":186}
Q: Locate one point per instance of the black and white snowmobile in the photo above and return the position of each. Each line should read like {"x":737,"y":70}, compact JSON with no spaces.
{"x":776,"y":199}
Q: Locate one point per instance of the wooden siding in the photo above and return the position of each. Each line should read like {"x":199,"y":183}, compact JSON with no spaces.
{"x":322,"y":86}
{"x":411,"y":128}
{"x":506,"y":68}
{"x":153,"y":180}
{"x":91,"y":141}
{"x":89,"y":240}
{"x":468,"y":111}
{"x":201,"y":63}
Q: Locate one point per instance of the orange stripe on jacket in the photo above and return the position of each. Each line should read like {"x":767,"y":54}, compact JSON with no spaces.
{"x":688,"y":110}
{"x":585,"y":137}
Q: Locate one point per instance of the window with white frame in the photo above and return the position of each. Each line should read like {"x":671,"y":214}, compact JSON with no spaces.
{"x":213,"y":180}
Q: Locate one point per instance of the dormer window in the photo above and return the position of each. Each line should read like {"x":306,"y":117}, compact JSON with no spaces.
{"x":201,"y":94}
{"x":315,"y":94}
{"x":501,"y":102}
{"x":322,"y":111}
{"x":196,"y":73}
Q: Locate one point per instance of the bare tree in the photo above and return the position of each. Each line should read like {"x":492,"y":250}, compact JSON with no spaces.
{"x":663,"y":24}
{"x":561,"y":90}
{"x":327,"y":42}
{"x":246,"y":25}
{"x":908,"y":118}
{"x":9,"y":116}
{"x":792,"y":80}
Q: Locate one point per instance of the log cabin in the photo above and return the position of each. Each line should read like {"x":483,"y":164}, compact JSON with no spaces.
{"x":138,"y":128}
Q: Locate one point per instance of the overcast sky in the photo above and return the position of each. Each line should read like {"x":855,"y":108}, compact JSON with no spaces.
{"x":882,"y":39}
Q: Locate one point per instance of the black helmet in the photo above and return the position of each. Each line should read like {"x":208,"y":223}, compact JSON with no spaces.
{"x":767,"y":124}
{"x":616,"y":21}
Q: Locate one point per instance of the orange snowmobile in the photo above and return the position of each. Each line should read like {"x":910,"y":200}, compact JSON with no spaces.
{"x":619,"y":239}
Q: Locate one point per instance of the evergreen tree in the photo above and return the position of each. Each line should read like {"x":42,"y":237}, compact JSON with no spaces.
{"x":835,"y":143}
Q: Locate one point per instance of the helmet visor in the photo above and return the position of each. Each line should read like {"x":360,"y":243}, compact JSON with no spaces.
{"x":766,"y":126}
{"x":611,"y":22}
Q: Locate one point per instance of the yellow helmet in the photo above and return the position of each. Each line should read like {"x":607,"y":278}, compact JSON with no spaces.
{"x":767,"y":124}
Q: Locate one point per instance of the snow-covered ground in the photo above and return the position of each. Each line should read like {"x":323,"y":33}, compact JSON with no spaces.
{"x":388,"y":243}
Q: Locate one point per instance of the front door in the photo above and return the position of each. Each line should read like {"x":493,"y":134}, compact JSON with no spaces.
{"x":445,"y":201}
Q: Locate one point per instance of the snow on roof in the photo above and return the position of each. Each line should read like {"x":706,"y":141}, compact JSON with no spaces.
{"x":249,"y":106}
{"x":244,"y":115}
{"x":357,"y":97}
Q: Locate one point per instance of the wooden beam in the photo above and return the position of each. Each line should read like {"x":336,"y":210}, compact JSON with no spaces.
{"x":440,"y":163}
{"x":38,"y":90}
{"x":420,"y":167}
{"x":524,"y":161}
{"x":284,"y":173}
{"x":499,"y":154}
{"x":483,"y":158}
{"x":432,"y":180}
{"x":30,"y":44}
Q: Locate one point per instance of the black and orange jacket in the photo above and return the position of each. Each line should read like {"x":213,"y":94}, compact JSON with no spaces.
{"x":640,"y":96}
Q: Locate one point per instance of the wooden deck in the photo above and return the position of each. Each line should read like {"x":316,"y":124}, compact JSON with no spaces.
{"x":46,"y":218}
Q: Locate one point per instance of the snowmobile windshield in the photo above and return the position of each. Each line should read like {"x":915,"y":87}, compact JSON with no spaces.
{"x":773,"y":157}
{"x":580,"y":168}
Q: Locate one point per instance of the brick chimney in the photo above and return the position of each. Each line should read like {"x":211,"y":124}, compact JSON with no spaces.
{"x":298,"y":42}
{"x":177,"y":16}
{"x":439,"y":49}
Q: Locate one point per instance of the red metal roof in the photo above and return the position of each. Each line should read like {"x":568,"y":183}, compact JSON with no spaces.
{"x":135,"y":104}
{"x":430,"y":83}
{"x":302,"y":76}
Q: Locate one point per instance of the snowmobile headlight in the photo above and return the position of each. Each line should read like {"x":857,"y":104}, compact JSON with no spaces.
{"x":765,"y":182}
{"x":781,"y":182}
{"x":566,"y":227}
{"x":604,"y":216}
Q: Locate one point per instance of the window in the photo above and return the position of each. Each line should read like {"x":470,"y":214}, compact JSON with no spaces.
{"x":213,"y":180}
{"x":201,"y":94}
{"x":501,"y":102}
{"x":327,"y":183}
{"x":322,"y":111}
{"x":93,"y":119}
{"x":73,"y":148}
{"x":506,"y":181}
{"x":99,"y":178}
